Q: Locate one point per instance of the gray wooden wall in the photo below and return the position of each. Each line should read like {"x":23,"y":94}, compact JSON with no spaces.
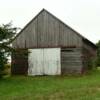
{"x":71,"y":61}
{"x":45,"y":30}
{"x":88,"y":55}
{"x":19,"y":64}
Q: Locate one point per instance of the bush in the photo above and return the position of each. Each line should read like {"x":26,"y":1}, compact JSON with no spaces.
{"x":3,"y":61}
{"x":91,"y":63}
{"x":7,"y":69}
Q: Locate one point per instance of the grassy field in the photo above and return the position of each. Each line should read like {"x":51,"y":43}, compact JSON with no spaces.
{"x":85,"y":87}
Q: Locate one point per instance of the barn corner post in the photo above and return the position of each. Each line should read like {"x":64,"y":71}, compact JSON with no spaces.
{"x":55,"y":48}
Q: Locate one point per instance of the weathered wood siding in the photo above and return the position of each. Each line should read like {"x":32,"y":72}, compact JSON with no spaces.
{"x":71,"y":61}
{"x":90,"y":47}
{"x":88,"y":55}
{"x":19,"y":62}
{"x":47,"y":31}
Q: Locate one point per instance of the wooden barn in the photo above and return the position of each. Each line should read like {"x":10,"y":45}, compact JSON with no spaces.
{"x":47,"y":46}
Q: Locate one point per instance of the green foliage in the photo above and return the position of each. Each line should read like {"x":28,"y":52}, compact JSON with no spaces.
{"x":98,"y":54}
{"x":91,"y":63}
{"x":7,"y":69}
{"x":3,"y":60}
{"x":7,"y":66}
{"x":7,"y":33}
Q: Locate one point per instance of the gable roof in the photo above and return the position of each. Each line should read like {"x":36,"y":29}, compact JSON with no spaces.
{"x":85,"y":39}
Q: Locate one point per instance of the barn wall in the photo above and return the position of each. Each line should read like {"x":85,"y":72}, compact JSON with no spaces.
{"x":19,"y":62}
{"x":47,"y":31}
{"x":88,"y":55}
{"x":71,"y":61}
{"x":89,"y":47}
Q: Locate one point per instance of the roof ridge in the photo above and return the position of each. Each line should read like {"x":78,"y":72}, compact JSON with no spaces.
{"x":55,"y":18}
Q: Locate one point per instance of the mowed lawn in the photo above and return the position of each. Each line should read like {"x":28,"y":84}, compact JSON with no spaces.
{"x":85,"y":87}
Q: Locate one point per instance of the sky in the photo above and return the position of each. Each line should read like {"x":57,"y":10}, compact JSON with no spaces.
{"x":82,"y":15}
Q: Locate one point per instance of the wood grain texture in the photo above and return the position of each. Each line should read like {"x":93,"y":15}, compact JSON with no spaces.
{"x":71,"y":60}
{"x":19,"y":64}
{"x":46,"y":31}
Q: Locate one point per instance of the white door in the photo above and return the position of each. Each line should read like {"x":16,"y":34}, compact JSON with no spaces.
{"x":35,"y":60}
{"x":52,"y":61}
{"x":44,"y":61}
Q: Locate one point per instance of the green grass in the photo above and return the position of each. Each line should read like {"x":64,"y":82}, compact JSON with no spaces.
{"x":85,"y":87}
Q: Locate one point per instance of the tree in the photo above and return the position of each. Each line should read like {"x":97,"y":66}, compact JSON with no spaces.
{"x":7,"y":34}
{"x":98,"y":54}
